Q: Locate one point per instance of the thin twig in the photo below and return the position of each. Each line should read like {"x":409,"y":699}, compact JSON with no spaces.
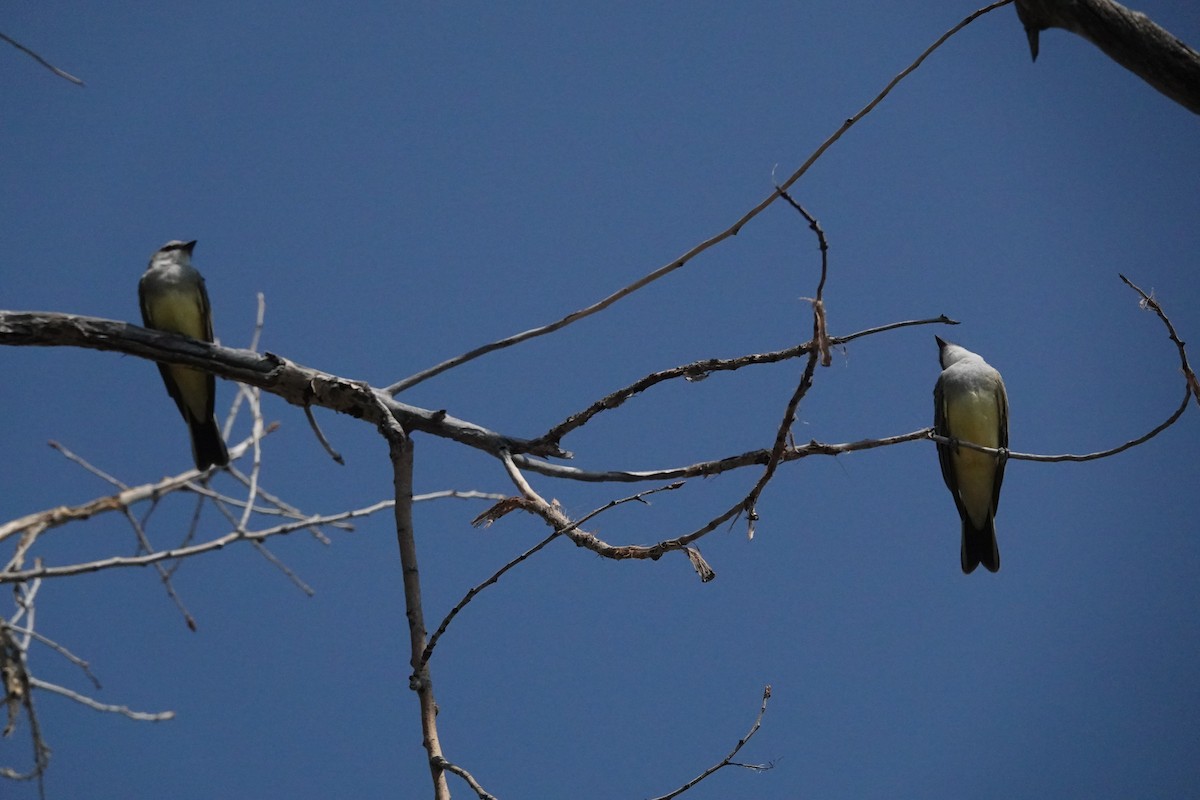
{"x":253,"y":399}
{"x":260,"y":316}
{"x":273,"y":510}
{"x":58,"y":648}
{"x":728,"y":760}
{"x":17,"y":576}
{"x":316,"y":429}
{"x":779,"y":448}
{"x":1149,"y":302}
{"x":671,"y":266}
{"x":265,"y":552}
{"x":821,"y":332}
{"x":60,"y":73}
{"x":193,"y":526}
{"x":457,"y":494}
{"x":553,"y":516}
{"x":698,"y":370}
{"x":470,"y":595}
{"x":285,"y":509}
{"x":87,"y":465}
{"x":164,"y":574}
{"x":1112,"y":451}
{"x":125,"y":711}
{"x":442,"y":763}
{"x":1191,"y":389}
{"x":474,"y":590}
{"x":713,"y":467}
{"x":819,"y":345}
{"x":681,"y":543}
{"x":284,"y":568}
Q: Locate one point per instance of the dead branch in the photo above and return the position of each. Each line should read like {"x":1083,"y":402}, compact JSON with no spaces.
{"x":732,"y":230}
{"x":1128,"y":37}
{"x":500,"y":509}
{"x":400,"y":451}
{"x":728,"y":760}
{"x":298,"y":385}
{"x":1191,"y":390}
{"x":60,"y":73}
{"x":18,"y":576}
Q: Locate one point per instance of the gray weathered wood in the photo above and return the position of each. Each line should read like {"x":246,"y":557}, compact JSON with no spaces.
{"x":1128,"y":37}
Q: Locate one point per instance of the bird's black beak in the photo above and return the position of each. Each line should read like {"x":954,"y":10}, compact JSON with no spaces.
{"x":187,"y":247}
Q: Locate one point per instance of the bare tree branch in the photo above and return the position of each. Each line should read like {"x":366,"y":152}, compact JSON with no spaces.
{"x":400,"y":451}
{"x":699,"y":370}
{"x":316,"y":429}
{"x":495,"y":512}
{"x":125,"y":711}
{"x":554,"y":516}
{"x":1149,"y":302}
{"x":466,"y":776}
{"x":1128,"y":37}
{"x":1191,"y":390}
{"x":18,"y":576}
{"x":84,"y":666}
{"x":296,"y":384}
{"x":671,"y":266}
{"x":728,"y":760}
{"x":60,"y":73}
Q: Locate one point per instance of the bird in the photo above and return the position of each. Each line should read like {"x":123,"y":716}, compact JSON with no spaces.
{"x":173,"y":298}
{"x":970,"y":404}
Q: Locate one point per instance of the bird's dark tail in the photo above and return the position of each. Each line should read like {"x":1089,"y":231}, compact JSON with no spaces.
{"x":208,"y":447}
{"x":979,"y":547}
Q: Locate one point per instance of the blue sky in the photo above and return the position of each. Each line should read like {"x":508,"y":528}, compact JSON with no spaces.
{"x":404,"y":183}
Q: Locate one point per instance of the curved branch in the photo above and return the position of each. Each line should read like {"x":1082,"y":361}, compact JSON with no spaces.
{"x":1191,"y":389}
{"x":441,"y":763}
{"x":125,"y":711}
{"x":1112,"y":451}
{"x":1149,"y":302}
{"x":732,"y":230}
{"x":500,"y":509}
{"x":699,"y":370}
{"x":728,"y":760}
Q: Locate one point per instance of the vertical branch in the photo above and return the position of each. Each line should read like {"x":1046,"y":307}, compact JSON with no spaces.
{"x":401,"y":451}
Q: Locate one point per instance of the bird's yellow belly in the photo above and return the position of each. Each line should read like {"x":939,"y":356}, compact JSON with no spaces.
{"x":974,"y":417}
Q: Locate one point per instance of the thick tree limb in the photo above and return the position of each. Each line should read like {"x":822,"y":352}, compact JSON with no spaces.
{"x":299,"y":385}
{"x":1128,"y":37}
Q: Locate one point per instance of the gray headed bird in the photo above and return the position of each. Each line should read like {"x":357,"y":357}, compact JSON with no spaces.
{"x":970,"y":405}
{"x":173,"y":298}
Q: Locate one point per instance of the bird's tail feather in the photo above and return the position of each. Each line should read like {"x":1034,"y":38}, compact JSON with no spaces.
{"x":979,"y":547}
{"x":208,"y":447}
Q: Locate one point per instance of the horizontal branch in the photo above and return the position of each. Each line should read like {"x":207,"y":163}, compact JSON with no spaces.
{"x":125,"y":711}
{"x":715,"y":467}
{"x":299,"y":385}
{"x":190,"y":550}
{"x":61,"y":515}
